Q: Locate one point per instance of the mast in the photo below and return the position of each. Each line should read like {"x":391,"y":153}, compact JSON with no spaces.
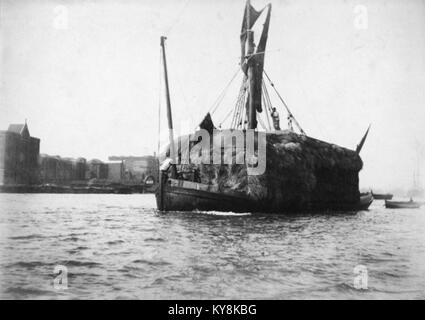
{"x":252,"y":59}
{"x":169,"y":114}
{"x":252,"y":112}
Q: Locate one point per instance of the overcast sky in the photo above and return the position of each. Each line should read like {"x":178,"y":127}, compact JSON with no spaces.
{"x":86,"y":73}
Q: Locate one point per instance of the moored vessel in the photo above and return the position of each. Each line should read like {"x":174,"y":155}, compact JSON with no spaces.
{"x":402,"y":204}
{"x":244,"y":168}
{"x":382,"y":196}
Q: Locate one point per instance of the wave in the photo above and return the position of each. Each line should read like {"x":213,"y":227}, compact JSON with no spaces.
{"x":383,"y":275}
{"x":81,"y":248}
{"x":222,"y":213}
{"x":29,"y":264}
{"x":152,"y":263}
{"x":22,"y":292}
{"x":113,"y":242}
{"x":78,"y":263}
{"x":350,"y":287}
{"x":67,"y":263}
{"x":155,"y":240}
{"x":27,"y":237}
{"x":71,"y":239}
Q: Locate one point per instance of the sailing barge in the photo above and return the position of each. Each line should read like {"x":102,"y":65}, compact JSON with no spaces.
{"x":300,"y":172}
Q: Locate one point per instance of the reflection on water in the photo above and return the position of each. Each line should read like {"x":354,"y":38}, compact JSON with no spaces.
{"x":118,"y":246}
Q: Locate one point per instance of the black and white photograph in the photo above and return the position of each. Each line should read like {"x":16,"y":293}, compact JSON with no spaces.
{"x":199,"y":150}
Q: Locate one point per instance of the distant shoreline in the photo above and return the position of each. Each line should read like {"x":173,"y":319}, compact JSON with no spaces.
{"x":121,"y":189}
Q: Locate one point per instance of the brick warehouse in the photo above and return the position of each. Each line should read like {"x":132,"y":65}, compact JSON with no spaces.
{"x":18,"y":156}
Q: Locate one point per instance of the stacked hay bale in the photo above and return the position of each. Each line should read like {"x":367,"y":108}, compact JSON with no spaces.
{"x":301,"y":173}
{"x":305,"y":173}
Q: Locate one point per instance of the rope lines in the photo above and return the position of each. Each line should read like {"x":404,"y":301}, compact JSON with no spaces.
{"x":266,"y":113}
{"x":168,"y":31}
{"x":239,"y":106}
{"x":159,"y":102}
{"x":220,"y":98}
{"x":290,"y":115}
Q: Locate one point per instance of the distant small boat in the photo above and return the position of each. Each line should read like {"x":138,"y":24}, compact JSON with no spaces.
{"x":402,"y":204}
{"x":382,"y":196}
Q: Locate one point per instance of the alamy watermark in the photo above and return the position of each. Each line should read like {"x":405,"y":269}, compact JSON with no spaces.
{"x":223,"y":147}
{"x":361,"y":17}
{"x":60,"y":17}
{"x":360,"y":277}
{"x":60,"y":282}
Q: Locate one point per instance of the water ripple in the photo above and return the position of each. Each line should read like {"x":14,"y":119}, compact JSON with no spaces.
{"x":118,"y":247}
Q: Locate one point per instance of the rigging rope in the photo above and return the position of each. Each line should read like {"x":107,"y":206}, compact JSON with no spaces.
{"x":241,"y":106}
{"x":225,"y":118}
{"x":237,"y":104}
{"x":286,"y":106}
{"x":220,"y":98}
{"x":243,"y":119}
{"x":266,"y":113}
{"x":168,"y":31}
{"x":268,"y":103}
{"x":249,"y":56}
{"x":261,"y":123}
{"x":267,"y":97}
{"x":159,"y":103}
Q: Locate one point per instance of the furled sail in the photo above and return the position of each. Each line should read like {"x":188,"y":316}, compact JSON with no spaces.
{"x":360,"y":145}
{"x":207,"y":124}
{"x":254,"y":59}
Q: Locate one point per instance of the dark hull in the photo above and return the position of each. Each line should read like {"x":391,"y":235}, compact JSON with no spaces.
{"x":378,"y":196}
{"x":402,"y":204}
{"x":179,"y":195}
{"x":190,"y":197}
{"x":365,"y":201}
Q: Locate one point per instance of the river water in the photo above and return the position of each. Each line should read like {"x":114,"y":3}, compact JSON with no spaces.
{"x":119,"y":247}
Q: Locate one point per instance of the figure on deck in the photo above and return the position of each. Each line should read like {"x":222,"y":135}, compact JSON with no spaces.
{"x":290,"y":127}
{"x":275,"y":117}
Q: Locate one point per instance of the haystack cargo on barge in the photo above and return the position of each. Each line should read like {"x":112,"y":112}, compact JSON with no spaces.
{"x":300,"y":173}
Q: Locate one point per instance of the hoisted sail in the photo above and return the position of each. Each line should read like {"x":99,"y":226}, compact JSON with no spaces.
{"x":251,"y":56}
